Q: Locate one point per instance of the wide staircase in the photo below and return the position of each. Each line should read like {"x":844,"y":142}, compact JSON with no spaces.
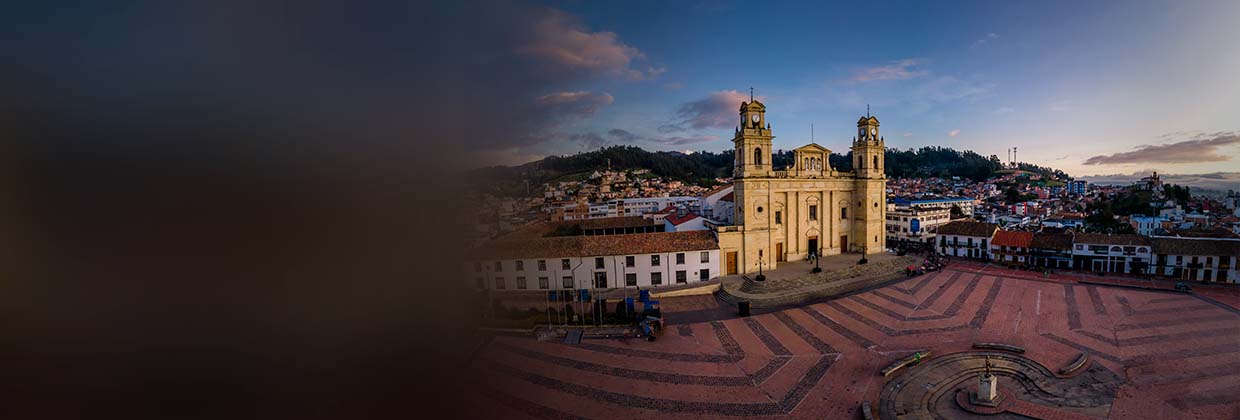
{"x":795,"y":284}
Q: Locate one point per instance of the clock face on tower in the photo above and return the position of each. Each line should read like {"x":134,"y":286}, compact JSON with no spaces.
{"x":873,"y":131}
{"x":755,"y":118}
{"x":860,"y":132}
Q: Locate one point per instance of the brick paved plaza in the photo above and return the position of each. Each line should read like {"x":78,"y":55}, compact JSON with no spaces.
{"x":1169,"y":356}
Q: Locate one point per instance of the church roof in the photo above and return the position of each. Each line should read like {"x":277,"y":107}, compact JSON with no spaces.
{"x":754,"y":103}
{"x":866,"y":120}
{"x":814,"y":146}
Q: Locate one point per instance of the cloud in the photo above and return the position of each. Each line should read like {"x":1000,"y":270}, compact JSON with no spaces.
{"x":1060,"y":106}
{"x":989,"y":37}
{"x":1203,"y":147}
{"x":953,"y":133}
{"x":562,"y":43}
{"x":589,"y":140}
{"x":565,"y":105}
{"x":949,"y":89}
{"x":623,"y":135}
{"x":679,"y":141}
{"x":1003,"y":110}
{"x":717,"y":110}
{"x":894,"y":70}
{"x":908,"y":133}
{"x":1219,"y":181}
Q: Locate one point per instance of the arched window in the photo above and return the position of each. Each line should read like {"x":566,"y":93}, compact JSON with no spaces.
{"x":757,"y":156}
{"x":807,"y":165}
{"x":876,"y":162}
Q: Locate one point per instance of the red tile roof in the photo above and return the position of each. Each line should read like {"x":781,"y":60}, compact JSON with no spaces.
{"x":676,"y":219}
{"x":729,"y":198}
{"x":1012,"y":238}
{"x":599,"y":245}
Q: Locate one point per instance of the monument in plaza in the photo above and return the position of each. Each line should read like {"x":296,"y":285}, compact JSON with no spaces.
{"x":987,"y":388}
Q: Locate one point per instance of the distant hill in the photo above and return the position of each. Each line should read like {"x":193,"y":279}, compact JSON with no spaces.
{"x":703,"y":167}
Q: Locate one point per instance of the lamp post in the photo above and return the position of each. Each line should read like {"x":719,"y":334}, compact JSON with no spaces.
{"x":817,"y":257}
{"x":760,"y":276}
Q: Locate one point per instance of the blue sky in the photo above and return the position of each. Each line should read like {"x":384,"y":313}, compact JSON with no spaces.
{"x":1124,"y":86}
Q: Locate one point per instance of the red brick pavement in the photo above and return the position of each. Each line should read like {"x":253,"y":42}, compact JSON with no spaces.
{"x":1177,"y":353}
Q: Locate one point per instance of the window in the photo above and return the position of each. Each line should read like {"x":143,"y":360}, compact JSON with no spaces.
{"x":600,"y":280}
{"x":757,"y":156}
{"x":682,"y":277}
{"x":520,"y":282}
{"x":499,"y":283}
{"x":654,"y":260}
{"x":705,"y":256}
{"x":567,"y":282}
{"x":630,"y":279}
{"x":499,"y":266}
{"x":813,"y":212}
{"x":542,"y":265}
{"x":598,"y":263}
{"x":656,"y":279}
{"x":544,"y":283}
{"x":876,"y":165}
{"x":630,"y":261}
{"x":680,"y":258}
{"x":520,"y":265}
{"x":779,"y":217}
{"x":704,"y":274}
{"x":843,"y":213}
{"x":565,"y":264}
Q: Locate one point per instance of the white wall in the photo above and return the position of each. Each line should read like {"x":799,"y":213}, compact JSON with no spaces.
{"x":582,"y":271}
{"x":962,"y":250}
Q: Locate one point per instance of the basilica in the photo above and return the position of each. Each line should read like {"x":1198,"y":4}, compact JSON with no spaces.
{"x":803,"y":209}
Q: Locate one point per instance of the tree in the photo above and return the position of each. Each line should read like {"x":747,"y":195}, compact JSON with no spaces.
{"x":1012,"y":195}
{"x":957,"y":212}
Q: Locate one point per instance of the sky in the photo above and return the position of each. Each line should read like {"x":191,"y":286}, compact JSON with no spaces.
{"x":1091,"y":88}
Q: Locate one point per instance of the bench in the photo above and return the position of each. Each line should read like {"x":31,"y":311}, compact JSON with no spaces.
{"x":1075,"y":365}
{"x":899,"y":364}
{"x":999,"y":346}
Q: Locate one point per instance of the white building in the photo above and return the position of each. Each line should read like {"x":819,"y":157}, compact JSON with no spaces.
{"x":1197,"y":259}
{"x":1147,"y":225}
{"x":1130,"y":254}
{"x":622,"y":207}
{"x":683,"y":221}
{"x":710,"y":206}
{"x":914,"y":225}
{"x":968,"y":239}
{"x":605,"y":261}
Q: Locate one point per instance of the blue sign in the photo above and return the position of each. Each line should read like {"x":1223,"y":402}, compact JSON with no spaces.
{"x":914,"y":225}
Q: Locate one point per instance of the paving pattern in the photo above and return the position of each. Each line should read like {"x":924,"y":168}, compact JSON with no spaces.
{"x":1153,"y":355}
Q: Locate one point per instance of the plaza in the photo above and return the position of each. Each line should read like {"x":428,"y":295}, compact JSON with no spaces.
{"x":1146,"y":355}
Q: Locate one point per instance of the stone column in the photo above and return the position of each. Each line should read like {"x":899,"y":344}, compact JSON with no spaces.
{"x":987,"y":387}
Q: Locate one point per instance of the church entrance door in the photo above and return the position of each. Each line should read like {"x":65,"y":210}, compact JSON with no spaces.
{"x":843,"y":243}
{"x":779,"y":252}
{"x":731,"y":263}
{"x":812,"y":245}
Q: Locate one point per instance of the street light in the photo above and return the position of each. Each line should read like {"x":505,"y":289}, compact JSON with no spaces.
{"x":817,"y":257}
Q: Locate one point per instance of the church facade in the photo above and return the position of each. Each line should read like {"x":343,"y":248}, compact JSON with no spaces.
{"x":808,"y":207}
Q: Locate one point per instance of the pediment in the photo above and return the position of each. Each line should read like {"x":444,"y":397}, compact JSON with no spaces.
{"x":813,"y":147}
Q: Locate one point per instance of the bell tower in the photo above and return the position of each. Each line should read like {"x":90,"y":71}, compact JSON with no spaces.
{"x":752,"y":142}
{"x":871,"y":188}
{"x":868,"y":149}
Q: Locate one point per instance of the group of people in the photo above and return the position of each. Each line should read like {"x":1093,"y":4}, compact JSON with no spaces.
{"x":932,"y":262}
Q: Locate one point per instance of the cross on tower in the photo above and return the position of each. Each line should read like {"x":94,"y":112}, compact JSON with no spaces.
{"x":751,"y":94}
